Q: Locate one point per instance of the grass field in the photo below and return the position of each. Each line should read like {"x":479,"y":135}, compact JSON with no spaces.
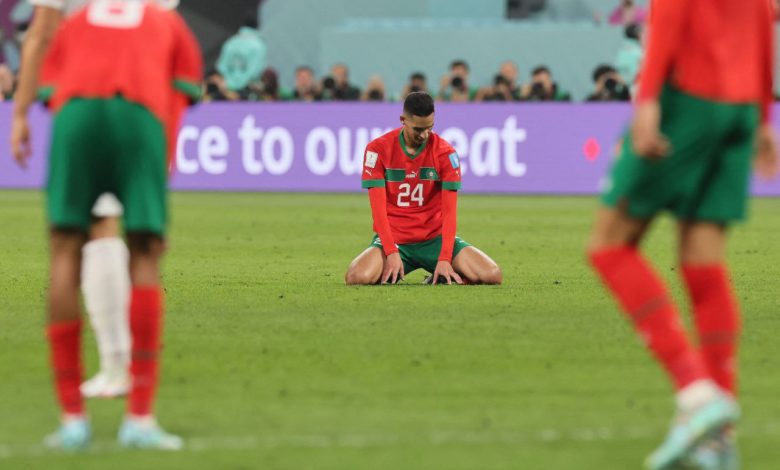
{"x":272,"y":363}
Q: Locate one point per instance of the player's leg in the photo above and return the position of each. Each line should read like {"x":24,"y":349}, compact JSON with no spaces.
{"x":140,"y":428}
{"x":141,"y":176}
{"x":644,"y":298}
{"x":366,"y":268}
{"x":70,"y":195}
{"x":476,"y":267}
{"x":714,"y":304}
{"x":64,"y":335}
{"x":105,"y":283}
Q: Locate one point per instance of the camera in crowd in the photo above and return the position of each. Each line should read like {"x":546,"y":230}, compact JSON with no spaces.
{"x":609,"y":85}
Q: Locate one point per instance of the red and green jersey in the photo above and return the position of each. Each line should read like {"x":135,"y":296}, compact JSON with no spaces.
{"x":717,"y":50}
{"x":413,"y":183}
{"x":137,"y":50}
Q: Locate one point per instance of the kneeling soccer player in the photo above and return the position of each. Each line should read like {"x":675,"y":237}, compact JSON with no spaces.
{"x":413,"y":176}
{"x":703,"y":105}
{"x":113,"y":72}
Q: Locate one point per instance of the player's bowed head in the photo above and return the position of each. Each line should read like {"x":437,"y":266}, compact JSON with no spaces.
{"x":417,"y":118}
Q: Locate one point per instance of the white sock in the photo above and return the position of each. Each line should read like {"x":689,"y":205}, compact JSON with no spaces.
{"x":105,"y":282}
{"x":697,"y":394}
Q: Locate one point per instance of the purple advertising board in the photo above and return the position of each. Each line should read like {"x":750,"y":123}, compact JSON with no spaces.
{"x":504,"y":148}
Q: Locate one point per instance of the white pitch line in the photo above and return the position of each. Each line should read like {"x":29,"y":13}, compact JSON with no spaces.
{"x":369,"y":440}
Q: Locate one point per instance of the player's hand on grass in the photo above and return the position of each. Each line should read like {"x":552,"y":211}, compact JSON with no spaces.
{"x":445,"y":271}
{"x":20,"y":140}
{"x":648,"y":142}
{"x":394,"y":269}
{"x":767,"y":163}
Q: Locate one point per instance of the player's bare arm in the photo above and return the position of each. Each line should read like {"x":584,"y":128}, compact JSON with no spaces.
{"x":44,"y":26}
{"x":766,"y":159}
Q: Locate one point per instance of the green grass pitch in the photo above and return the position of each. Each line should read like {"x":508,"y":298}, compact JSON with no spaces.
{"x":270,"y":362}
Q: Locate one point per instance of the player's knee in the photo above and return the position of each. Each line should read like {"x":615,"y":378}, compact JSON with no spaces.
{"x":358,"y":277}
{"x":493,"y":276}
{"x":142,"y":244}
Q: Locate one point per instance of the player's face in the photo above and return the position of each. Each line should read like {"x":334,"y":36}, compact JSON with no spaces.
{"x":417,"y":129}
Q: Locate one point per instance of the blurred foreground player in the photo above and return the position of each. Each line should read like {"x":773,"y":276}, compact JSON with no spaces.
{"x":702,"y":113}
{"x":105,"y":281}
{"x":113,"y":76}
{"x":413,"y":177}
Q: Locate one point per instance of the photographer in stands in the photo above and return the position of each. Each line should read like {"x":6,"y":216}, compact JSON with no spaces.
{"x":609,"y":85}
{"x":455,"y":85}
{"x":542,"y":87}
{"x":417,"y":82}
{"x":336,"y":87}
{"x":306,"y":88}
{"x":504,"y":86}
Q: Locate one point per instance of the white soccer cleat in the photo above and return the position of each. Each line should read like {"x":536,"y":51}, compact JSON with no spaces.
{"x":105,"y":385}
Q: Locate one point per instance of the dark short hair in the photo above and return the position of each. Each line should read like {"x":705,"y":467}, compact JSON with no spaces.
{"x":540,"y":69}
{"x":418,"y":103}
{"x":417,"y":76}
{"x":602,"y":70}
{"x":459,"y":63}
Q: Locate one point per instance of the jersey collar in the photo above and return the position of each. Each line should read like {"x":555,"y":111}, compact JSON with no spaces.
{"x":403,"y":145}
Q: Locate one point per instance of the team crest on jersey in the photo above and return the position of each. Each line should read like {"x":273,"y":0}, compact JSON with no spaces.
{"x":371,"y":158}
{"x":454,"y":160}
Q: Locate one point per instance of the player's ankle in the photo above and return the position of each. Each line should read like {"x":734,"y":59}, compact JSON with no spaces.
{"x":697,"y":394}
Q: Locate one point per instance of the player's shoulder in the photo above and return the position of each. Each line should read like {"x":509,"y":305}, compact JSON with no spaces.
{"x":384,"y":141}
{"x":439,"y":144}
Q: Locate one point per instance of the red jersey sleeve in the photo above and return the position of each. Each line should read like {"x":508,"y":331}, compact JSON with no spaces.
{"x":187,"y":60}
{"x":449,"y":166}
{"x":373,"y":167}
{"x":667,"y":18}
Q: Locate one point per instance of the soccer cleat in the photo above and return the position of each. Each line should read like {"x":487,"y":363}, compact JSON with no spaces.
{"x":104,"y":385}
{"x":147,"y":434}
{"x":691,"y":430}
{"x":74,"y":434}
{"x":718,"y":452}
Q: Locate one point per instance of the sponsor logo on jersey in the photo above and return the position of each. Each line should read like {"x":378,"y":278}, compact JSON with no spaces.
{"x":371,"y":158}
{"x":454,"y":160}
{"x":411,"y":175}
{"x":369,"y":173}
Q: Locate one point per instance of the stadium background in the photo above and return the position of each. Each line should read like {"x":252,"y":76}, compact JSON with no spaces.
{"x":271,"y":362}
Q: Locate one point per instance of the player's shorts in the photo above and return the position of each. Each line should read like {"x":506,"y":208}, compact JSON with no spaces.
{"x":706,"y":176}
{"x":423,"y":255}
{"x":107,"y":146}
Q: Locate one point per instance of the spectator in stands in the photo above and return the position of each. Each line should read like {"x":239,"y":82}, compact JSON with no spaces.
{"x":609,"y":85}
{"x":627,"y":12}
{"x":216,"y":89}
{"x":417,"y":82}
{"x":455,"y":85}
{"x":7,"y":83}
{"x":242,"y":58}
{"x":375,"y":89}
{"x":337,"y":86}
{"x":306,"y":88}
{"x":629,"y":56}
{"x":504,"y":86}
{"x":268,"y":86}
{"x":542,"y":87}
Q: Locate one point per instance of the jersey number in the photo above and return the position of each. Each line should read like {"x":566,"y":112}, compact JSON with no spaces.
{"x":117,"y":15}
{"x":408,"y":195}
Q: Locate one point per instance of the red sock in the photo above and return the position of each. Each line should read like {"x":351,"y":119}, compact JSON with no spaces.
{"x":65,"y":343}
{"x":145,"y":328}
{"x":716,"y":312}
{"x":644,"y":298}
